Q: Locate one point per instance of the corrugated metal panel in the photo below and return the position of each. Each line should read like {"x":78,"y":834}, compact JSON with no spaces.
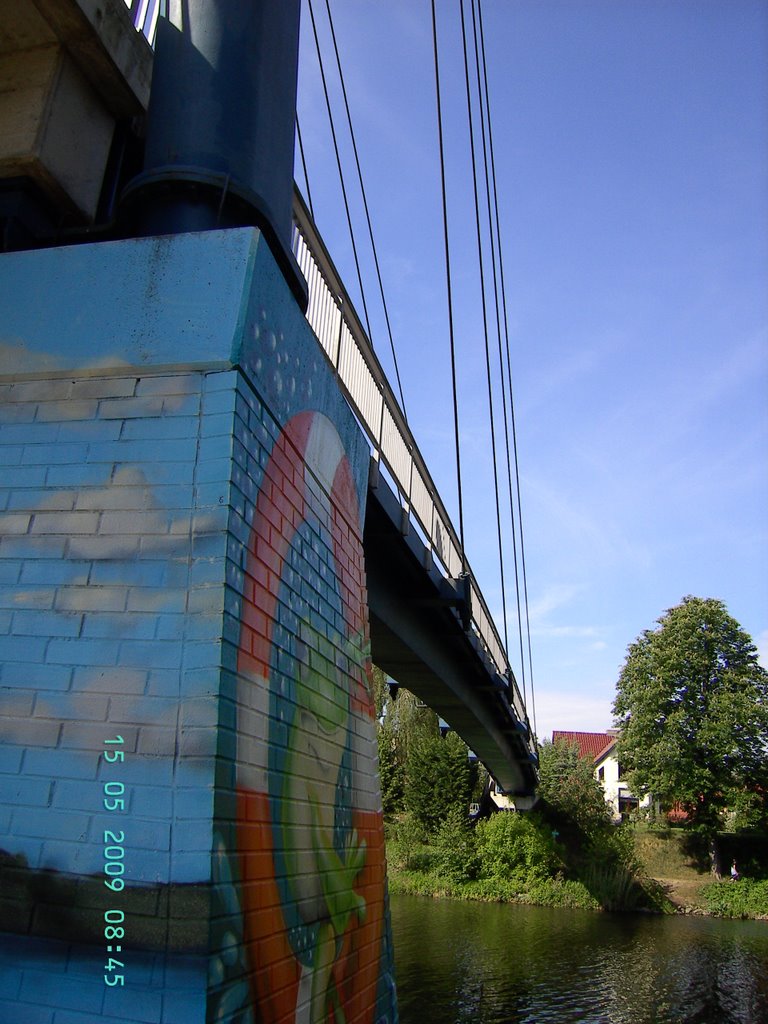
{"x":323,"y":312}
{"x":359,"y":382}
{"x":486,"y":630}
{"x":394,"y":449}
{"x":422,"y":504}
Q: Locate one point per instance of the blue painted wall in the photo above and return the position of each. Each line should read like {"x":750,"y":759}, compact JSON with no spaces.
{"x":147,"y":391}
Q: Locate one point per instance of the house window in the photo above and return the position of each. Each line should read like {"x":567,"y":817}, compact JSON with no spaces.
{"x":621,"y":770}
{"x":601,"y":773}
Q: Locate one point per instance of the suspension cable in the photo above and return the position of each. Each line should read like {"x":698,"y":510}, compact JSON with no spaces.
{"x":450,"y":293}
{"x":365,"y":206}
{"x":508,"y":358}
{"x":499,"y":345}
{"x":338,"y":164}
{"x":304,"y":166}
{"x":485,"y":324}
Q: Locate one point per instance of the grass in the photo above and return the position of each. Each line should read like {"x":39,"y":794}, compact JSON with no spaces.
{"x":665,"y":860}
{"x":547,"y":892}
{"x":663,"y":855}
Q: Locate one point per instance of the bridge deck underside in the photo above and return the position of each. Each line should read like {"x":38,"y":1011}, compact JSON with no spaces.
{"x":417,"y":637}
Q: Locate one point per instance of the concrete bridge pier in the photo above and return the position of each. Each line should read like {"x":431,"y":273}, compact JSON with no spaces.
{"x":190,"y":819}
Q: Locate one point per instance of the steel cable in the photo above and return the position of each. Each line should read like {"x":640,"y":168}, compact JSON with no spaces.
{"x":448,"y":284}
{"x":505,"y":319}
{"x":485,"y":323}
{"x":304,"y":166}
{"x":500,"y":347}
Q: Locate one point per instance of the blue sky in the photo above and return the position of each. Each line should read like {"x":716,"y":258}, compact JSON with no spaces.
{"x":631,"y":149}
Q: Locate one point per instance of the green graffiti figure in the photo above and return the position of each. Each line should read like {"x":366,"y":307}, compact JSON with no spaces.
{"x":320,"y":878}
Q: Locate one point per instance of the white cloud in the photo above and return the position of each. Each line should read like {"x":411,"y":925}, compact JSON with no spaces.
{"x":554,"y":596}
{"x":563,"y":709}
{"x":572,"y":632}
{"x":559,"y":596}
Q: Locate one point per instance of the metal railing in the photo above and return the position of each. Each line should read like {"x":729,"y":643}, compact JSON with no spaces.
{"x":144,"y":14}
{"x":342,"y":337}
{"x":362,"y":380}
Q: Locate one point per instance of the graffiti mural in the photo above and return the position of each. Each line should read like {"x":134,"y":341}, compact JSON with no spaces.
{"x":310,"y":832}
{"x":181,"y":570}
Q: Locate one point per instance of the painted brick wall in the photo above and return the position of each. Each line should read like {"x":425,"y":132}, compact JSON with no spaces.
{"x":112,"y":546}
{"x":181,"y":567}
{"x":111,"y":540}
{"x":308,"y":808}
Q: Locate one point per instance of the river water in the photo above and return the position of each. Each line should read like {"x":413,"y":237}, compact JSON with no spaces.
{"x":483,"y":963}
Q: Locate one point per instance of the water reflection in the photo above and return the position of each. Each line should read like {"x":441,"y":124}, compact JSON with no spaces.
{"x":492,"y":964}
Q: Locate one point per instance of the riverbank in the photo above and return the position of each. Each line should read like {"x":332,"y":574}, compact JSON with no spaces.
{"x":666,"y":855}
{"x":665,"y":859}
{"x":657,"y":875}
{"x":607,"y":893}
{"x":745,"y":899}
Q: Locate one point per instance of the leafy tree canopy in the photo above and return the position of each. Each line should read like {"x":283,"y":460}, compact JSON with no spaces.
{"x":692,"y":706}
{"x":418,"y":770}
{"x":569,"y":788}
{"x":437,"y":779}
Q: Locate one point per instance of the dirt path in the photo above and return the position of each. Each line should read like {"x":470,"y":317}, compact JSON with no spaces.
{"x":685,"y":893}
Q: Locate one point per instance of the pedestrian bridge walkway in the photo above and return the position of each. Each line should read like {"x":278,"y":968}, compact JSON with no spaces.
{"x":431,"y":628}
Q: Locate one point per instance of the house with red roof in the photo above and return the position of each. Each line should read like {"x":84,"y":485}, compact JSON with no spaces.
{"x":600,"y":748}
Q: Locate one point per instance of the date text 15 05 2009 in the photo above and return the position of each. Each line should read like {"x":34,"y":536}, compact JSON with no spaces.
{"x":114,"y":864}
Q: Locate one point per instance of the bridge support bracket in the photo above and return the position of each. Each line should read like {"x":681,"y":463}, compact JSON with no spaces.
{"x":457,"y":593}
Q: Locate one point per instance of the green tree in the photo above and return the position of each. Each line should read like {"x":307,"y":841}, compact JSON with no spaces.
{"x":437,"y":779}
{"x":391,"y":773}
{"x":455,"y":845}
{"x":570,"y":790}
{"x":692,"y":706}
{"x":402,"y":722}
{"x":380,"y":686}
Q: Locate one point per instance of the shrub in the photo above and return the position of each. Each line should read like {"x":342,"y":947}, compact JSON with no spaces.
{"x":490,"y":890}
{"x":558,"y":892}
{"x":618,"y":845}
{"x":405,"y":844}
{"x":745,"y":898}
{"x":517,"y":848}
{"x":613,"y":886}
{"x":456,"y":848}
{"x":547,"y":892}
